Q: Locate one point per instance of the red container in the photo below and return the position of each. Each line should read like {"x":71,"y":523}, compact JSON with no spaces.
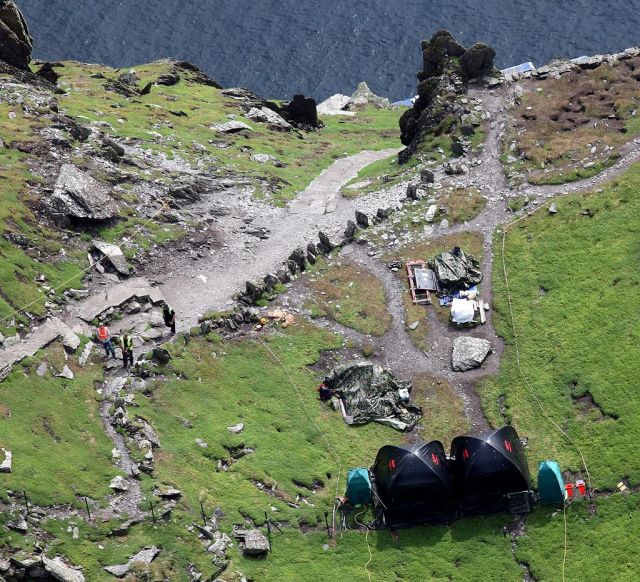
{"x":569,"y":489}
{"x":581,"y":487}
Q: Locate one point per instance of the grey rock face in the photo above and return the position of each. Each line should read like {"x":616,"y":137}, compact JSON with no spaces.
{"x":364,"y":96}
{"x":469,"y":353}
{"x":60,"y":571}
{"x":231,"y":127}
{"x":80,"y":196}
{"x":255,"y":543}
{"x":266,"y":115}
{"x":145,"y":556}
{"x":114,"y":255}
{"x":362,"y":219}
{"x":15,"y":42}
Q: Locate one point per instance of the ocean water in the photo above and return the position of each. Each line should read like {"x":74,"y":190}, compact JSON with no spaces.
{"x":281,"y":47}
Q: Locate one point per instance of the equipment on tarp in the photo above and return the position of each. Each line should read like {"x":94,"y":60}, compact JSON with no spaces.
{"x":486,"y":467}
{"x":413,"y":485}
{"x":462,"y":311}
{"x":551,"y":489}
{"x":358,"y":487}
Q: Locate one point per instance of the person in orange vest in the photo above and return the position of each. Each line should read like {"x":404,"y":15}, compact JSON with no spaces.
{"x":104,"y":337}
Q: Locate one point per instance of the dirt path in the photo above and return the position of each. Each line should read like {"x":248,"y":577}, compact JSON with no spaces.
{"x":193,"y":287}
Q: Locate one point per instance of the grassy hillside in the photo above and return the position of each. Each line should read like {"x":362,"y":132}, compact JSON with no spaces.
{"x":573,"y":280}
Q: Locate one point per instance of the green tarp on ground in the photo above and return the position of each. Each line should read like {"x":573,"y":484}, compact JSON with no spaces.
{"x":371,"y":393}
{"x":456,"y":270}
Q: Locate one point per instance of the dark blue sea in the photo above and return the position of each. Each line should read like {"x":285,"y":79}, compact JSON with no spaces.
{"x":321,"y":47}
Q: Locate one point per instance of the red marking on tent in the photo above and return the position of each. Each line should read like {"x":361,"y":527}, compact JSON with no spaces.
{"x":392,"y":464}
{"x":435,"y":458}
{"x":507,"y":445}
{"x":465,"y":454}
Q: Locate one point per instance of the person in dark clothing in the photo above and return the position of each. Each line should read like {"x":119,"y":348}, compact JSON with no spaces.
{"x":169,"y":317}
{"x":325,"y":393}
{"x":125,"y":342}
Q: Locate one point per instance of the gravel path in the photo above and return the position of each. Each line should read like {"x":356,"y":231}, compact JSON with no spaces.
{"x":193,"y":287}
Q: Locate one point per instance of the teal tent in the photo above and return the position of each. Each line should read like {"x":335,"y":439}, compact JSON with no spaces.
{"x":358,"y":487}
{"x":551,"y":484}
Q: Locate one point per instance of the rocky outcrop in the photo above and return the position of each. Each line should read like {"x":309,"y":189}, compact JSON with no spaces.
{"x":301,"y":112}
{"x":79,"y":196}
{"x":363,"y":97}
{"x":440,"y":108}
{"x":15,"y":42}
{"x":469,"y":353}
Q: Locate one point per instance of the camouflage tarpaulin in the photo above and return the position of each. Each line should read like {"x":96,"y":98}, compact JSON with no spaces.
{"x":456,"y":270}
{"x":370,"y":393}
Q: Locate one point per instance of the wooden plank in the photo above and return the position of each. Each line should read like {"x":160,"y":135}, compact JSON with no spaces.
{"x":483,"y":317}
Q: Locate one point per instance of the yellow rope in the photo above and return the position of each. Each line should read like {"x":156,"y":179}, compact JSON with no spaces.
{"x":366,"y":539}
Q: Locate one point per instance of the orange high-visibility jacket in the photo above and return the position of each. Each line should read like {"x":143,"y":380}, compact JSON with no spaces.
{"x":103,"y":333}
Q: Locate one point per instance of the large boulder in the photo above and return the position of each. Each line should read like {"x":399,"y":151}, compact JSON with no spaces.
{"x":336,"y":104}
{"x":266,"y":115}
{"x":469,"y":353}
{"x":77,"y":195}
{"x":143,"y":558}
{"x":15,"y":42}
{"x":60,"y":571}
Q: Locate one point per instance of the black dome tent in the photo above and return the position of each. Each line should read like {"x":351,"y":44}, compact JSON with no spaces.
{"x":486,"y":468}
{"x":413,"y":484}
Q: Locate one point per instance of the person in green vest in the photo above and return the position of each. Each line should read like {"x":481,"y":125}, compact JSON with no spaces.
{"x":125,"y":343}
{"x":169,"y":316}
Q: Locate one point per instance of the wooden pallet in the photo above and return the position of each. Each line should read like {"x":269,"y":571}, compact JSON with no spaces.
{"x":420,"y":283}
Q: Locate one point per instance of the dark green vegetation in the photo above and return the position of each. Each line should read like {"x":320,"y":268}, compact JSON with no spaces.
{"x":351,"y":296}
{"x":573,"y":127}
{"x":573,"y":280}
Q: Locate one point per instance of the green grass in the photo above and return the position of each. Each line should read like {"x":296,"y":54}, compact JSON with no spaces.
{"x":573,"y":175}
{"x":381,"y":174}
{"x":53,"y":428}
{"x":350,"y":295}
{"x":460,"y":205}
{"x":242,"y":383}
{"x":573,"y":279}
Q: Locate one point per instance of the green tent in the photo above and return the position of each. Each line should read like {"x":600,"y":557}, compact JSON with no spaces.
{"x":551,"y":484}
{"x":358,"y":487}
